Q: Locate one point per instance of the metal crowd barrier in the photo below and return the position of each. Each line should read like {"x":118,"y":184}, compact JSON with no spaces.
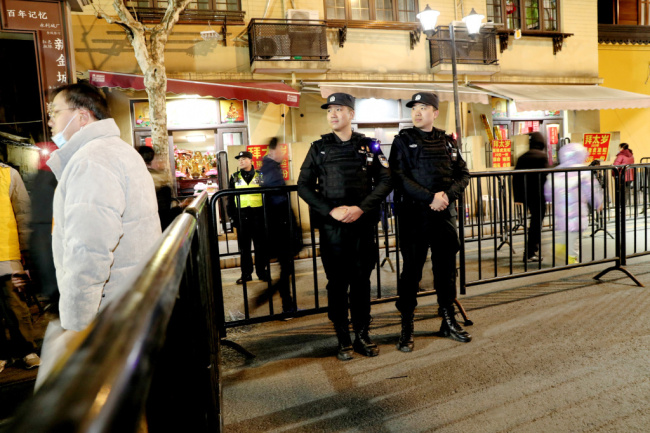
{"x":384,"y":287}
{"x":488,"y":219}
{"x":120,"y":364}
{"x":500,"y":221}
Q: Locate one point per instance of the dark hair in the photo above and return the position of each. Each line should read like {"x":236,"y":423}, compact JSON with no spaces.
{"x":536,"y":141}
{"x":84,"y":95}
{"x":624,"y":146}
{"x":273,"y":143}
{"x":146,"y":153}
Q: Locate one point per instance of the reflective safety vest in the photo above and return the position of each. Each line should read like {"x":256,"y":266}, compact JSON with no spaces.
{"x":9,"y":246}
{"x":249,"y":200}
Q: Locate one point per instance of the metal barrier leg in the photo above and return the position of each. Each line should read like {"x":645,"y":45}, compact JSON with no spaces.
{"x":622,"y":269}
{"x":463,"y":313}
{"x":237,"y":347}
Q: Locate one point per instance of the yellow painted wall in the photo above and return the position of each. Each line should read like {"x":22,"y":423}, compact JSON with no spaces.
{"x":578,"y":57}
{"x":102,"y":46}
{"x":625,"y":67}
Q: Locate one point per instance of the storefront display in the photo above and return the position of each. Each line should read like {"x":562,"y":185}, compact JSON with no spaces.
{"x":199,"y":128}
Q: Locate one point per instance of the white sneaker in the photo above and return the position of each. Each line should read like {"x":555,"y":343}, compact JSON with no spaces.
{"x":31,"y":361}
{"x":2,"y":365}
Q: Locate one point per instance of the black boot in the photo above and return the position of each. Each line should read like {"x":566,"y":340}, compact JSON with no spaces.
{"x":450,"y":328}
{"x":345,"y":343}
{"x":405,"y":343}
{"x":362,"y":342}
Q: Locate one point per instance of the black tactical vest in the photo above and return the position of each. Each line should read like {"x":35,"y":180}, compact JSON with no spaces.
{"x":431,"y":159}
{"x":344,"y":176}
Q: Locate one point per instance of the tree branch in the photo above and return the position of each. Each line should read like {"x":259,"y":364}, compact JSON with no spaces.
{"x":174,"y":9}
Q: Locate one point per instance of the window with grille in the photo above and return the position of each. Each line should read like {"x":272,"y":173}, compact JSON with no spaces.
{"x":372,"y":10}
{"x":196,"y":10}
{"x":527,"y":15}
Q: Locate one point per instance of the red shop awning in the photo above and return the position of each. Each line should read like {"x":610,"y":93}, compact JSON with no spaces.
{"x":275,"y":93}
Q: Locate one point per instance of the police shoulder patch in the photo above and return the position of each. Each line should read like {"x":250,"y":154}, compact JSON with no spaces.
{"x":383,"y":160}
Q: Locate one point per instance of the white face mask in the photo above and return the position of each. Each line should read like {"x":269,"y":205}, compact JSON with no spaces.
{"x":59,"y":139}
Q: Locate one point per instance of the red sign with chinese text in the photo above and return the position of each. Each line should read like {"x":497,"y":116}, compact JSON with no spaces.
{"x":46,"y":19}
{"x":260,"y":150}
{"x":501,"y":153}
{"x":597,"y":145}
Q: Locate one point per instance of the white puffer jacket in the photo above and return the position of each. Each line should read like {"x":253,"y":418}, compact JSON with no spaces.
{"x":105,"y":220}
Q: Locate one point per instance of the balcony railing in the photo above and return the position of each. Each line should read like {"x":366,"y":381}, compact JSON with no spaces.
{"x":192,"y":16}
{"x":478,"y":49}
{"x":275,"y":39}
{"x":623,"y":34}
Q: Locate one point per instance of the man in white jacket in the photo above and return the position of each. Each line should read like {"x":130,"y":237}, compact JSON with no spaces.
{"x":105,"y":213}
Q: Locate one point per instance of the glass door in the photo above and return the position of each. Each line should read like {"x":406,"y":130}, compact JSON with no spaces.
{"x":231,"y":137}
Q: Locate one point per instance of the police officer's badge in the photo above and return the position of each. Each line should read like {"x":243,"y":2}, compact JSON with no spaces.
{"x":383,"y":160}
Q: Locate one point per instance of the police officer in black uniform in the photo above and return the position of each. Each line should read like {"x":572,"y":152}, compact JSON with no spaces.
{"x":344,"y":179}
{"x":429,"y":175}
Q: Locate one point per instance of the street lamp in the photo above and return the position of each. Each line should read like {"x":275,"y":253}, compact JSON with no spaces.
{"x":428,"y":18}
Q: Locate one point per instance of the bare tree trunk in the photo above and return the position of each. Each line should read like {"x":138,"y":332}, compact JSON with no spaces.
{"x":150,"y":55}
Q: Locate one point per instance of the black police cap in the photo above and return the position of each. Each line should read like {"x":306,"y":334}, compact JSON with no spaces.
{"x":339,"y":99}
{"x":244,"y":154}
{"x":428,"y":98}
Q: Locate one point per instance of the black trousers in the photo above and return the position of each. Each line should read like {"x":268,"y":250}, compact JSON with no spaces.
{"x":251,"y":227}
{"x":281,"y":224}
{"x":537,"y":210}
{"x":348,"y":252}
{"x":15,"y":318}
{"x":420,"y":230}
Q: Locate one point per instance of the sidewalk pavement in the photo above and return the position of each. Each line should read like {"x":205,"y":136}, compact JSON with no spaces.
{"x":554,"y":353}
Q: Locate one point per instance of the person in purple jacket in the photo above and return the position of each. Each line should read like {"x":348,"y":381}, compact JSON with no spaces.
{"x":571,"y":194}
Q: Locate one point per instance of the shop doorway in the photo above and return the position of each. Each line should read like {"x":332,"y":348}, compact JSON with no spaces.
{"x":22,"y":121}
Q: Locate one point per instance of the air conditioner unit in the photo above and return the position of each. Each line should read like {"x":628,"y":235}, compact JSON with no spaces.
{"x":272,"y":47}
{"x":302,"y":14}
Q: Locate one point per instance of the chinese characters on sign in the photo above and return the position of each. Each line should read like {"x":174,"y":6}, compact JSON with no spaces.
{"x":552,"y":139}
{"x":260,"y":150}
{"x":597,"y":145}
{"x":501,"y":153}
{"x":46,"y":19}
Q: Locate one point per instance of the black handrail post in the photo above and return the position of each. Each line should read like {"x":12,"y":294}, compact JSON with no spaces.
{"x":461,"y":237}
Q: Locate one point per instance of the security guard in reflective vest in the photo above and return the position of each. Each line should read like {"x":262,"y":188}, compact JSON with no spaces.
{"x":247,"y":215}
{"x":429,"y":175}
{"x":344,"y":179}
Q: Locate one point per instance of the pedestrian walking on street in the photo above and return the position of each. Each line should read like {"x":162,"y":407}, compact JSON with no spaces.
{"x":529,"y":190}
{"x":282,"y":227}
{"x":247,"y":216}
{"x":625,"y":156}
{"x":429,"y":176}
{"x":344,"y":179}
{"x":571,"y":194}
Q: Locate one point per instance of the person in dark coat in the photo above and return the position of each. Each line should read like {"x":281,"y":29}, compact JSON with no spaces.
{"x":528,"y":189}
{"x":281,"y":223}
{"x":42,"y":189}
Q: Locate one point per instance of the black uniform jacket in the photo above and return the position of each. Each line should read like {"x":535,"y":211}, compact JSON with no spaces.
{"x":423,"y":164}
{"x":351,"y":173}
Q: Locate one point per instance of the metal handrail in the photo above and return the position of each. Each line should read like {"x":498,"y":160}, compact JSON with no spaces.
{"x":104,"y":380}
